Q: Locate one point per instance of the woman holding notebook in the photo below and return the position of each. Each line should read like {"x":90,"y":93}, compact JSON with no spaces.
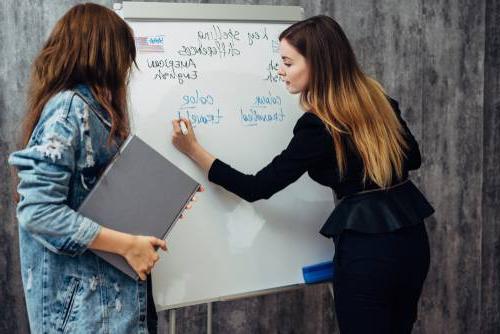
{"x":76,"y":120}
{"x":351,"y":138}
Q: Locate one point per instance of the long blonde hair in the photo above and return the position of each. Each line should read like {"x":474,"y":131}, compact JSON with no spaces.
{"x":347,"y":101}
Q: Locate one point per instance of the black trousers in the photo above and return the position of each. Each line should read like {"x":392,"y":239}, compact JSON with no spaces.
{"x":378,"y":280}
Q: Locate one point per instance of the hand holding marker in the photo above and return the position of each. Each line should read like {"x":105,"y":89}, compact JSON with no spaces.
{"x":185,"y":131}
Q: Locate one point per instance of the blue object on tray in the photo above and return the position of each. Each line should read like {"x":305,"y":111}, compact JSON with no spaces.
{"x":320,"y":272}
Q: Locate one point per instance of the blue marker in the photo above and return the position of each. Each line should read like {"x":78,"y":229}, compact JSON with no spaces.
{"x":320,"y":272}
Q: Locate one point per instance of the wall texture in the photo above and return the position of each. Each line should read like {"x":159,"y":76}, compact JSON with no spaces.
{"x":490,"y":245}
{"x":441,"y":60}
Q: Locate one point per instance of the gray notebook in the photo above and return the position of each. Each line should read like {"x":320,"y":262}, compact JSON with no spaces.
{"x":141,"y":193}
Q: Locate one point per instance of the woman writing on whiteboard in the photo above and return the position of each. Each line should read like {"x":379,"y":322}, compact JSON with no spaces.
{"x":351,"y":138}
{"x":76,"y":119}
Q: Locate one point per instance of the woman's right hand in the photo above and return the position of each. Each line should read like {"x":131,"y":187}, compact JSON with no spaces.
{"x":188,"y":144}
{"x":184,"y":142}
{"x":141,"y":253}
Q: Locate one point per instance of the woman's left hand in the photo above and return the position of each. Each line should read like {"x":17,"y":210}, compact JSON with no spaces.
{"x":186,"y":143}
{"x":193,"y":199}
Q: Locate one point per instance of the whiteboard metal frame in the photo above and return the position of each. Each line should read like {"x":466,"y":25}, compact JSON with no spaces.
{"x":237,"y":296}
{"x":160,"y":11}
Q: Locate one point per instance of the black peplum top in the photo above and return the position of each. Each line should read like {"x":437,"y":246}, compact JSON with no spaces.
{"x":361,"y":207}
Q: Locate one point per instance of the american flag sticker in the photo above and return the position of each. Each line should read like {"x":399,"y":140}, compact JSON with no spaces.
{"x":150,"y":43}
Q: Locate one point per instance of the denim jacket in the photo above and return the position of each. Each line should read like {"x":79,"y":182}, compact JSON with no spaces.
{"x":68,"y":289}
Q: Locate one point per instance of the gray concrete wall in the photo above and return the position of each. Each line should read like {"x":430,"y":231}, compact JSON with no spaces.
{"x":490,"y":260}
{"x":441,"y":60}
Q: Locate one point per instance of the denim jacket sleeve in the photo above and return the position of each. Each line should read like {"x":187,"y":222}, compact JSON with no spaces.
{"x":45,"y":169}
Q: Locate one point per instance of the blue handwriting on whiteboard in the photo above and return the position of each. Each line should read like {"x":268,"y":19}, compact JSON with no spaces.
{"x":156,"y":40}
{"x":197,"y":99}
{"x":267,"y":100}
{"x":197,"y":118}
{"x":254,"y":116}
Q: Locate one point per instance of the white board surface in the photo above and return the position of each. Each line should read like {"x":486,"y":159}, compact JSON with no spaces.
{"x":223,"y":76}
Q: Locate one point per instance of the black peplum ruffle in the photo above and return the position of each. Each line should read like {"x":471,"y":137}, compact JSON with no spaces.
{"x":379,"y":211}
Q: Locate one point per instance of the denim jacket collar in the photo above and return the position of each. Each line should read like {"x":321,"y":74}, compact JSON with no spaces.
{"x":85,"y":93}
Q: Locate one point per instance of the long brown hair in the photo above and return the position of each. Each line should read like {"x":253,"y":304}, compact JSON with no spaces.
{"x":89,"y":45}
{"x":347,"y":101}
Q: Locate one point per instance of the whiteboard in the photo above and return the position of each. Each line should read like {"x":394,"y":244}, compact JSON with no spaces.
{"x":221,"y":75}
